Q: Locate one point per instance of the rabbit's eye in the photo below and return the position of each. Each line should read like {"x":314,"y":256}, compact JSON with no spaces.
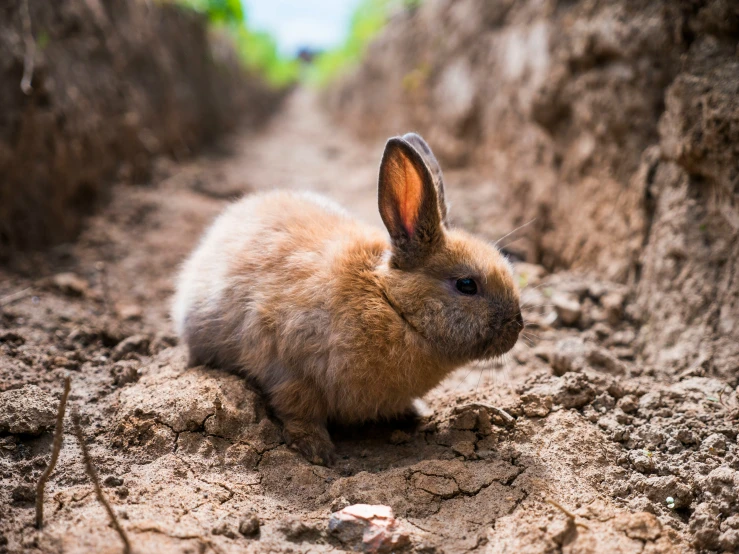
{"x":467,"y":286}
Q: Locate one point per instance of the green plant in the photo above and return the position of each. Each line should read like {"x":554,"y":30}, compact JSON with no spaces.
{"x":218,"y":11}
{"x":368,"y":19}
{"x":257,"y":50}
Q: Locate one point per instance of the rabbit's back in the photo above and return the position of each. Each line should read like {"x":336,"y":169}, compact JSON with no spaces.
{"x":261,"y":276}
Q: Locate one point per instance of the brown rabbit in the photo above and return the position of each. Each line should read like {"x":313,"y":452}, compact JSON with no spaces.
{"x":332,"y":319}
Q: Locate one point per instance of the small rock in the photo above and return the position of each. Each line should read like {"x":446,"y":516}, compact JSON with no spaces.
{"x":64,"y":362}
{"x":602,"y":359}
{"x":23,"y":493}
{"x":659,"y":488}
{"x":125,"y":372}
{"x":113,"y":481}
{"x":601,"y":330}
{"x":399,"y":437}
{"x":339,"y":504}
{"x":623,"y":338}
{"x":224,"y":529}
{"x":568,"y":309}
{"x":641,"y":526}
{"x":570,"y":354}
{"x":27,"y":410}
{"x":249,"y":525}
{"x":465,"y":420}
{"x":613,"y":304}
{"x":686,"y":436}
{"x":673,"y":446}
{"x":573,"y":391}
{"x":603,"y":402}
{"x":465,"y":449}
{"x":130,"y":312}
{"x":536,"y":404}
{"x":642,"y":461}
{"x":543,"y":352}
{"x":723,"y":484}
{"x":715,"y":444}
{"x":368,"y":528}
{"x":11,"y":338}
{"x":70,"y":284}
{"x":138,"y":344}
{"x":705,"y":525}
{"x":295,"y":530}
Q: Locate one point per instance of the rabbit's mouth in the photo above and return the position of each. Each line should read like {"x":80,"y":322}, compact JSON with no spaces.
{"x":503,"y":338}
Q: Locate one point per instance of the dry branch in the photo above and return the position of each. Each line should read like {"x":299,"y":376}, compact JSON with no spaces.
{"x":30,"y":54}
{"x":92,"y":473}
{"x":15,"y":297}
{"x":566,"y":512}
{"x":58,"y":438}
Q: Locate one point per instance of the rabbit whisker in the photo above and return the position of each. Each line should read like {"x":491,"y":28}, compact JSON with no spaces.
{"x":479,"y":378}
{"x":516,"y":229}
{"x":463,"y":380}
{"x":536,"y":287}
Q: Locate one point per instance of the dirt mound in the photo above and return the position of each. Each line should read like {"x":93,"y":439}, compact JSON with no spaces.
{"x":613,"y":125}
{"x":112,"y":83}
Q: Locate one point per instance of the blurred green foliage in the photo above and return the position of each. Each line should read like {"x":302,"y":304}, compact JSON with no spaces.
{"x":368,"y":19}
{"x":257,"y":50}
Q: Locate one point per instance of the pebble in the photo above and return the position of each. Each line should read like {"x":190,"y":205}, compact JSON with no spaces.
{"x":125,"y":372}
{"x":27,"y":410}
{"x":224,"y":529}
{"x":70,"y":284}
{"x":138,"y":344}
{"x":536,"y":404}
{"x":113,"y":481}
{"x":369,"y":528}
{"x":249,"y":525}
{"x":613,"y":304}
{"x":568,"y":309}
{"x":130,"y":312}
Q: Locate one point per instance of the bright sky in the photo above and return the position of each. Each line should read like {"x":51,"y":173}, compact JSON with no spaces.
{"x":295,"y":23}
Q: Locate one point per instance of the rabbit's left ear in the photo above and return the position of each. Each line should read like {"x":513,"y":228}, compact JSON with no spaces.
{"x":422,"y":147}
{"x":409,"y":203}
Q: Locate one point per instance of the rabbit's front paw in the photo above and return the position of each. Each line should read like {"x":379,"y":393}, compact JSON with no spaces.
{"x":312,"y":441}
{"x":315,"y":449}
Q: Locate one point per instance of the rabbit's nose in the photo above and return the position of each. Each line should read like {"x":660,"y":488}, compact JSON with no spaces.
{"x":514,"y":322}
{"x":513,"y":326}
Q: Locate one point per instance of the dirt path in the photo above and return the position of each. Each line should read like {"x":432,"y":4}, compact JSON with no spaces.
{"x":187,"y":455}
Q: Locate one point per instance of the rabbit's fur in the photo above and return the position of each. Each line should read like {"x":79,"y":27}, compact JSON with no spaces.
{"x":332,"y":319}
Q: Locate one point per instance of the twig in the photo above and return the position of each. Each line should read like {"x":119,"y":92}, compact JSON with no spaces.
{"x":103,"y":273}
{"x":566,"y":512}
{"x":58,"y":439}
{"x":30,"y":55}
{"x":505,"y":416}
{"x":90,"y":469}
{"x":15,"y":297}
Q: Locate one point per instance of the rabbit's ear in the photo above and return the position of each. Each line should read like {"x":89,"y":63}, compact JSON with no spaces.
{"x":408,"y":203}
{"x":422,"y":147}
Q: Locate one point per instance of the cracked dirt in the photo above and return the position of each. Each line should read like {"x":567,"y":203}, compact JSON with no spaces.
{"x":188,"y":456}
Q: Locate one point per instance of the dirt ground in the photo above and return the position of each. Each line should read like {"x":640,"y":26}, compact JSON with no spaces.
{"x":606,"y":454}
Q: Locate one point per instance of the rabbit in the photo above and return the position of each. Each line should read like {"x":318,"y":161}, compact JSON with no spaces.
{"x":333,"y":319}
